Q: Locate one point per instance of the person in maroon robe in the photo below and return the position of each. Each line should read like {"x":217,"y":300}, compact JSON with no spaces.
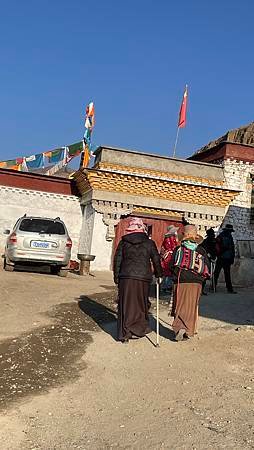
{"x":133,"y":275}
{"x":168,"y":246}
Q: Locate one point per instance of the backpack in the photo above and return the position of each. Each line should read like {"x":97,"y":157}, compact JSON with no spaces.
{"x":187,"y":259}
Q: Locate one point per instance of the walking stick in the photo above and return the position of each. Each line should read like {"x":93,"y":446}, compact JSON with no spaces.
{"x":212,"y":277}
{"x":157,"y":313}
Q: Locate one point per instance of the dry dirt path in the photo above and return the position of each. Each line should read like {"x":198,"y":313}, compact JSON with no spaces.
{"x":66,"y":383}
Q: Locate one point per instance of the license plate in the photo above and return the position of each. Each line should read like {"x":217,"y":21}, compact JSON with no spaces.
{"x":40,"y":244}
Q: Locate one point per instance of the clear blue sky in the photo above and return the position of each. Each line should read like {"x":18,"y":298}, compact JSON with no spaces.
{"x":132,"y":58}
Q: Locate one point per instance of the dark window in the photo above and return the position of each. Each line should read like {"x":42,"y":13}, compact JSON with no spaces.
{"x":42,"y":226}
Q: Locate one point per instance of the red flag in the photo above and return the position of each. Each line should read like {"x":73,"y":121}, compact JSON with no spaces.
{"x":183,"y":109}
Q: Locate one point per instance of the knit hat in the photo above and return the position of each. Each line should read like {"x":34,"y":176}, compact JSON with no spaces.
{"x":171,"y":230}
{"x":136,"y":225}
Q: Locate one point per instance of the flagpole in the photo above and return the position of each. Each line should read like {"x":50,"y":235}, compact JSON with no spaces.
{"x":174,"y":151}
{"x":182,"y":117}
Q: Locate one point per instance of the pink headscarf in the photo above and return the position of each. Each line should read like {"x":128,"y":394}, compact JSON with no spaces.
{"x":136,"y":225}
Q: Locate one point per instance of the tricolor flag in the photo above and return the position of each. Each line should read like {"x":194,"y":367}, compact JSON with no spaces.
{"x":183,"y":110}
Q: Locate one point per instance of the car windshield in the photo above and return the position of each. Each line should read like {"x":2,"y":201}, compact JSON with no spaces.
{"x":42,"y":226}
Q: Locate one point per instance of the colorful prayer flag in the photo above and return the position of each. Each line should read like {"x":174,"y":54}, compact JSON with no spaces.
{"x":10,"y":163}
{"x":35,"y":161}
{"x":89,"y":124}
{"x":14,"y":167}
{"x":85,"y":157}
{"x":56,"y":167}
{"x":60,"y":156}
{"x":21,"y":162}
{"x":57,"y":155}
{"x":75,"y":149}
{"x":30,"y":158}
{"x":47,"y":154}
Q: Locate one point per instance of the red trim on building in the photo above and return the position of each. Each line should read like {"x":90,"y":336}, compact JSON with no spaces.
{"x":36,"y":182}
{"x":226,"y":150}
{"x":240,"y":152}
{"x":210,"y":155}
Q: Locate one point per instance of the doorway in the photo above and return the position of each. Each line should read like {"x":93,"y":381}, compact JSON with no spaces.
{"x":156,"y":229}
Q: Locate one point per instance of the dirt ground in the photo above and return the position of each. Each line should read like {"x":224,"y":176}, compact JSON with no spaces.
{"x":66,"y":383}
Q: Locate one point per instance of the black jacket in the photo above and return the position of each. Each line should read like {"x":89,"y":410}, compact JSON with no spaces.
{"x":225,"y":247}
{"x":187,"y":276}
{"x":133,"y":258}
{"x":209,"y":244}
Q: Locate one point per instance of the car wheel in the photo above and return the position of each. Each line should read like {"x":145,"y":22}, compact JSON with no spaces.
{"x":54,"y":270}
{"x":8,"y":267}
{"x":62,"y":272}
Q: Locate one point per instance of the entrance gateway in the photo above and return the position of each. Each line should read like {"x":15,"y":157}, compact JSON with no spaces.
{"x":161,"y":190}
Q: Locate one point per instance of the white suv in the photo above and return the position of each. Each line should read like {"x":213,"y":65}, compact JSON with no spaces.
{"x":38,"y":240}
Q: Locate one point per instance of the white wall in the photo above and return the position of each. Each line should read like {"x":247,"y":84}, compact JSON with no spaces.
{"x":101,"y":248}
{"x":15,"y":202}
{"x":237,"y":176}
{"x":85,"y":242}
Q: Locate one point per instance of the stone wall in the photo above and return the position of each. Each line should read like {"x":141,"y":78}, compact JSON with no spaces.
{"x":204,"y":219}
{"x":238,"y":176}
{"x":15,"y":202}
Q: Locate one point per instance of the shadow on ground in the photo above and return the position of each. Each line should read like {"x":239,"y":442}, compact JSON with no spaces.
{"x":99,"y":312}
{"x":48,"y":356}
{"x":30,"y":268}
{"x":165,"y":331}
{"x":233,"y":309}
{"x":105,"y":316}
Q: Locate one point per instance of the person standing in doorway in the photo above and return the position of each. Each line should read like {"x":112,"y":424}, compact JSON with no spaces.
{"x":225,"y":256}
{"x":133,"y":275}
{"x":168,"y":246}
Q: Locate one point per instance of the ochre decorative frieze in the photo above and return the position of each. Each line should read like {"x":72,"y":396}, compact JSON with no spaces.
{"x":156,"y":173}
{"x":158,"y":212}
{"x":138,"y":185}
